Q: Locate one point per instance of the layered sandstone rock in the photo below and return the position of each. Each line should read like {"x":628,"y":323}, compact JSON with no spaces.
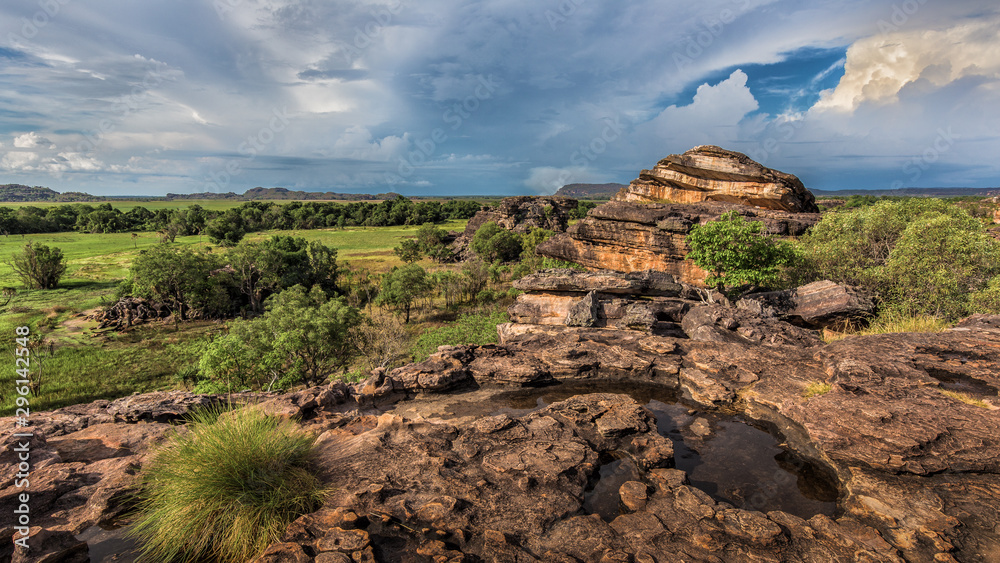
{"x":709,"y":173}
{"x":630,"y":237}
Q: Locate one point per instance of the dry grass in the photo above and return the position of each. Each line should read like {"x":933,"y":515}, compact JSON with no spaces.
{"x":816,"y":388}
{"x":889,"y":322}
{"x":958,"y":396}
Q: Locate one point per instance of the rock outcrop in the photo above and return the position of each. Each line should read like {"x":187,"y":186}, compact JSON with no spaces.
{"x":519,"y":214}
{"x":630,"y":237}
{"x":710,"y":173}
{"x":906,"y":425}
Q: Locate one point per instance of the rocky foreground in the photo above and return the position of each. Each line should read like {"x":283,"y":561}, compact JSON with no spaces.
{"x":917,"y":470}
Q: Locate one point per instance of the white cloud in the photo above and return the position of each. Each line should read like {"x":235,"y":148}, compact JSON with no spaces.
{"x":546,"y":180}
{"x":32,"y":140}
{"x":713,"y":116}
{"x":357,"y":143}
{"x":878,"y":68}
{"x":18,"y":160}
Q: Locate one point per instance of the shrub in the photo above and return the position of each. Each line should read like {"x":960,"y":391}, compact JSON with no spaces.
{"x":225,"y":489}
{"x":477,"y":329}
{"x":39,"y":266}
{"x":737,"y":252}
{"x":918,"y":256}
{"x":402,"y":286}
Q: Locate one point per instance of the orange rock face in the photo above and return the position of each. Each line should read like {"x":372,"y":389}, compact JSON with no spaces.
{"x":709,"y":173}
{"x":631,"y":237}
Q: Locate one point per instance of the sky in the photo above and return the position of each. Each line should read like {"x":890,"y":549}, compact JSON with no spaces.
{"x":498,"y":97}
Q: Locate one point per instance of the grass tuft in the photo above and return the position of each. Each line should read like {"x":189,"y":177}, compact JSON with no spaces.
{"x":890,"y":321}
{"x":816,"y":388}
{"x":959,"y":396}
{"x":225,"y":487}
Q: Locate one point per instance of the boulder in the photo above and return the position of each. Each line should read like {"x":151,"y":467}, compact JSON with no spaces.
{"x":710,"y":173}
{"x":821,"y":304}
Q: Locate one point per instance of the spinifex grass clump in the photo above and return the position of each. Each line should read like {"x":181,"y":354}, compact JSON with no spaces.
{"x":226,"y":488}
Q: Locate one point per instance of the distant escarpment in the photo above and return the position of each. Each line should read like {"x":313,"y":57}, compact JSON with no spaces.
{"x":589,"y":191}
{"x":709,"y":173}
{"x":646,"y":225}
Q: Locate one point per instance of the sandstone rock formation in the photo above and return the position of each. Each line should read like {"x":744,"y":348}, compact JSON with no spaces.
{"x":709,"y":173}
{"x":907,"y":425}
{"x":630,"y":237}
{"x":817,"y":305}
{"x":519,"y":214}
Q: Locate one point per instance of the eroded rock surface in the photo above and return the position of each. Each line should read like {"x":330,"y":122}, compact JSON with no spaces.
{"x":907,"y":423}
{"x":630,"y":237}
{"x":710,"y":173}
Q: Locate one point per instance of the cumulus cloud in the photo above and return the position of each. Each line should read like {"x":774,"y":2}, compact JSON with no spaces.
{"x":32,"y":140}
{"x":546,"y":180}
{"x":18,"y":160}
{"x":713,"y":116}
{"x":358,"y":143}
{"x":880,"y":67}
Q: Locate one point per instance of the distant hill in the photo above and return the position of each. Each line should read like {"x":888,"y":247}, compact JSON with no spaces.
{"x":19,"y":192}
{"x":912,"y":192}
{"x":589,"y":191}
{"x":282,"y":193}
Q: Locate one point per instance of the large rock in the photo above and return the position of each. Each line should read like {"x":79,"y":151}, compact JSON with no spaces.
{"x":631,"y":237}
{"x":519,"y":214}
{"x":709,"y":173}
{"x":819,"y":304}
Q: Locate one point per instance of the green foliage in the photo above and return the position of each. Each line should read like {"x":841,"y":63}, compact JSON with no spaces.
{"x":303,"y":338}
{"x":179,"y":277}
{"x":987,"y":300}
{"x":402,"y":286}
{"x":39,"y":266}
{"x":408,"y":251}
{"x":227,"y":229}
{"x":225,"y":489}
{"x":431,"y":242}
{"x":263,"y":268}
{"x":494,"y":243}
{"x":581,"y":209}
{"x":917,"y":255}
{"x":737,"y":252}
{"x":478,"y":329}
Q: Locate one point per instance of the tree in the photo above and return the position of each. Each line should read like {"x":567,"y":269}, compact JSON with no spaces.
{"x":39,"y":266}
{"x":226,"y":229}
{"x":179,"y":277}
{"x":402,"y":286}
{"x":303,"y":337}
{"x":737,"y":252}
{"x":408,"y":251}
{"x":263,"y":268}
{"x":494,"y":243}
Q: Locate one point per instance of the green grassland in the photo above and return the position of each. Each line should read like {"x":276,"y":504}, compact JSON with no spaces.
{"x":89,"y":364}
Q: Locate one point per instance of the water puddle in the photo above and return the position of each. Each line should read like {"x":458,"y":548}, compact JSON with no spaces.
{"x":724,"y":455}
{"x":109,"y":546}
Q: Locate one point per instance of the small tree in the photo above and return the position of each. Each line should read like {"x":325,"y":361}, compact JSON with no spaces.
{"x":494,"y":243}
{"x":402,"y":286}
{"x":39,"y":266}
{"x":408,"y":251}
{"x":736,"y":252}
